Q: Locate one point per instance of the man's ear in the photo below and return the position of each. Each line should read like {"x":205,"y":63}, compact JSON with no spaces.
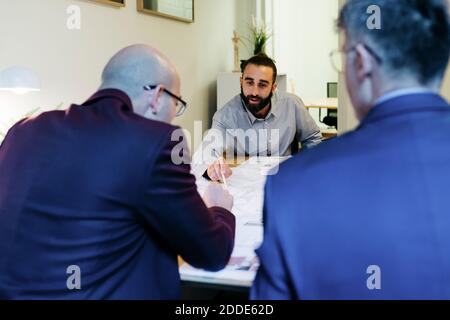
{"x":364,"y":62}
{"x":274,"y":87}
{"x":154,"y":99}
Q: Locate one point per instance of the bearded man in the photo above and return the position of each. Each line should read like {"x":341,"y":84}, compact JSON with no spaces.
{"x":260,"y":121}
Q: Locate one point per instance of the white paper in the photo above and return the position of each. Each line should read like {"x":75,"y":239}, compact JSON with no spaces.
{"x":246,"y":185}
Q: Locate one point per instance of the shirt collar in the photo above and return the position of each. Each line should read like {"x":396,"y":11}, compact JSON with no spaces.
{"x":111,"y":93}
{"x":405,"y":104}
{"x":401,"y":92}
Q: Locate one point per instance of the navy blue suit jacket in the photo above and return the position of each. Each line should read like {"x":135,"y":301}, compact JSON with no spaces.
{"x":377,"y":196}
{"x":95,"y":187}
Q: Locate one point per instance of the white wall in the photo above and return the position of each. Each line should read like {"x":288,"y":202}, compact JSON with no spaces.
{"x":244,"y":11}
{"x":304,"y":36}
{"x":260,"y":9}
{"x":34,"y":34}
{"x":346,"y":115}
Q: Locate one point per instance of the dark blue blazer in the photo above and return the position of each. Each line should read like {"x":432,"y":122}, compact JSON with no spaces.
{"x":378,"y":196}
{"x":95,"y":187}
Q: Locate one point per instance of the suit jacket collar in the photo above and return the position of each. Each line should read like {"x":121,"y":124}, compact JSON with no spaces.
{"x":411,"y":103}
{"x":111,"y":93}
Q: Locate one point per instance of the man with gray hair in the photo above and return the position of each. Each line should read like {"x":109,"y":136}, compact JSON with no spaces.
{"x":379,"y":228}
{"x":92,"y":205}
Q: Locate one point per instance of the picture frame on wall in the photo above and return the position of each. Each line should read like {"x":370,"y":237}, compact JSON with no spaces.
{"x":180,"y":10}
{"x":115,"y":3}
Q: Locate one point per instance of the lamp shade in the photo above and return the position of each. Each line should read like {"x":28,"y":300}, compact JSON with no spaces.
{"x":19,"y":80}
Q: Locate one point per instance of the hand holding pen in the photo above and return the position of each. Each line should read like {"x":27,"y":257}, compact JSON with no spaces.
{"x":219,"y":170}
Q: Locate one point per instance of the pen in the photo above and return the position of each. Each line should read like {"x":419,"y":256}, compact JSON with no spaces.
{"x":224,"y":180}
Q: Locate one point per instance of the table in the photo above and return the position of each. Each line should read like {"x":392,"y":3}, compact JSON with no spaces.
{"x":328,"y":133}
{"x":247,"y":187}
{"x":328,"y":104}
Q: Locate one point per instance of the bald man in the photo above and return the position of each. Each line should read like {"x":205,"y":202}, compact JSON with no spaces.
{"x":92,"y":205}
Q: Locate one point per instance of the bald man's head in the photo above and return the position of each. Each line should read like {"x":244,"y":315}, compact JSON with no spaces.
{"x":136,"y":66}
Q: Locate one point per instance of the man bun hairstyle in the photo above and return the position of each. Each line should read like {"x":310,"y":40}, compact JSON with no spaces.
{"x":261,"y":59}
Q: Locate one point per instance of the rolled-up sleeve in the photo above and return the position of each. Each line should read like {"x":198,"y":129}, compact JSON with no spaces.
{"x":215,"y":139}
{"x":308,"y":132}
{"x":173,"y":209}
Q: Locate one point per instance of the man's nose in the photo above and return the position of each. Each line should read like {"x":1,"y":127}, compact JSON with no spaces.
{"x":254,"y":91}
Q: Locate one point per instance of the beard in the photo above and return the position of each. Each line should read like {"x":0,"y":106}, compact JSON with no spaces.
{"x":255,"y":108}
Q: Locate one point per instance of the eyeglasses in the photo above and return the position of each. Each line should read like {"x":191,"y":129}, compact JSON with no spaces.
{"x":181,"y":104}
{"x":338,"y":57}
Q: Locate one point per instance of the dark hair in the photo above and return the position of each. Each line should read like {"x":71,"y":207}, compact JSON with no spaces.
{"x":414,"y":35}
{"x":261,"y":59}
